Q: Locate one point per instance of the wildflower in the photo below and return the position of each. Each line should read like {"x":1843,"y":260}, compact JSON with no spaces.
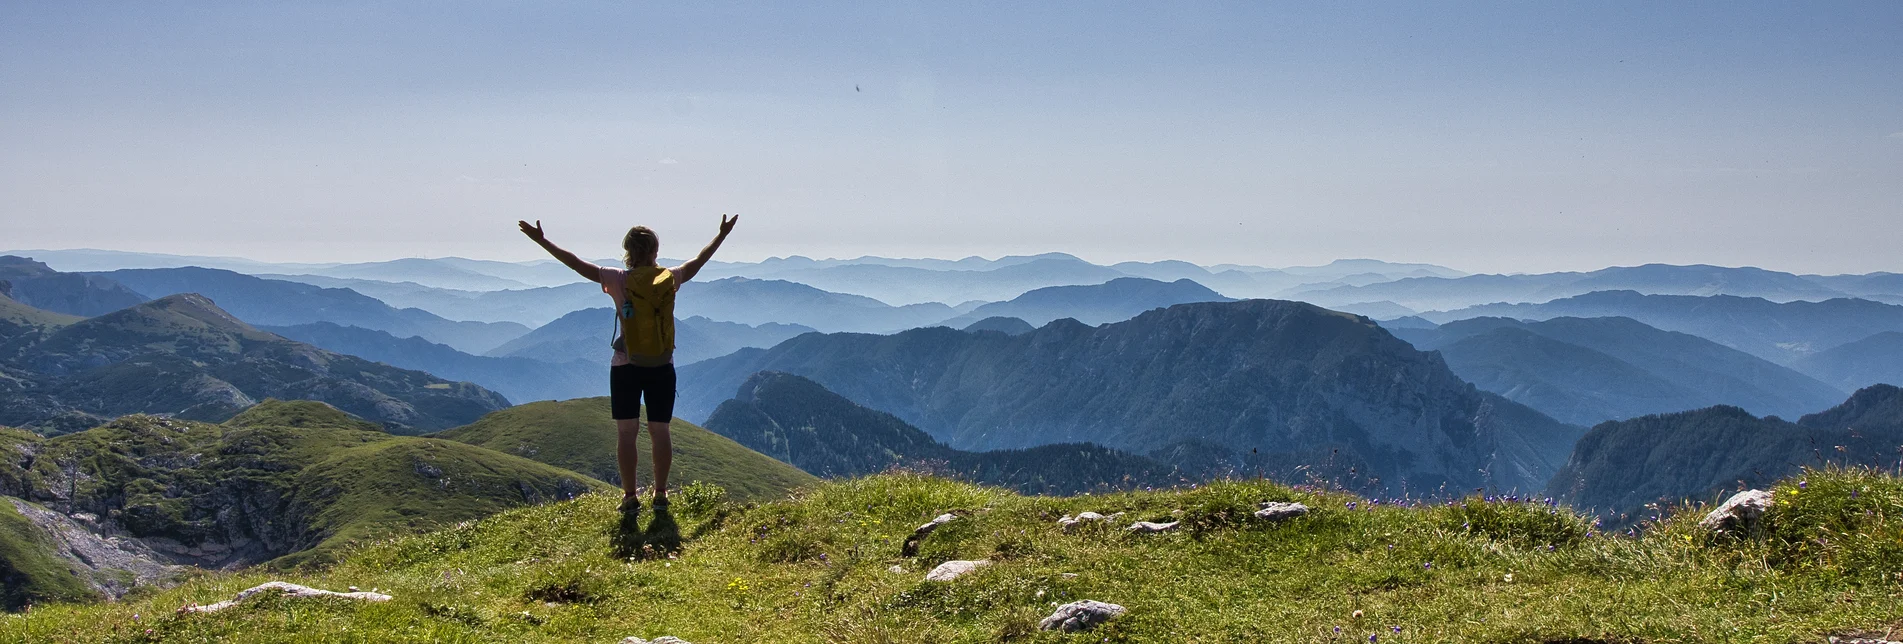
{"x":1427,"y":566}
{"x":1803,"y":485}
{"x":1351,"y":505}
{"x":1356,"y":614}
{"x":1508,"y":578}
{"x":1397,"y":629}
{"x":1337,"y":630}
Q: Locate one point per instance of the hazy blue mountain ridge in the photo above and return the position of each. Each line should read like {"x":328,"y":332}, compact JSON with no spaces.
{"x":520,"y":379}
{"x":1781,"y":332}
{"x":182,"y":355}
{"x":1619,"y":467}
{"x":1113,"y":301}
{"x":1588,"y":370}
{"x":798,"y":421}
{"x":35,"y":284}
{"x":280,"y":303}
{"x":1294,"y":383}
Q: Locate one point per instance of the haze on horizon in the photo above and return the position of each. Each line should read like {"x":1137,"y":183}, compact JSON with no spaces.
{"x":1488,"y":137}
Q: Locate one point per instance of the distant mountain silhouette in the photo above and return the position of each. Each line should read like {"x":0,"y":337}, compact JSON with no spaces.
{"x":1779,"y":332}
{"x":34,"y":284}
{"x":1001,"y":324}
{"x":183,"y":355}
{"x":1431,"y":293}
{"x":1281,"y":385}
{"x":754,"y":302}
{"x":532,"y":306}
{"x":1588,"y":370}
{"x":584,"y":335}
{"x":1877,"y":359}
{"x":798,"y":421}
{"x":1113,"y":301}
{"x":1701,"y":455}
{"x":280,"y":303}
{"x":520,"y":379}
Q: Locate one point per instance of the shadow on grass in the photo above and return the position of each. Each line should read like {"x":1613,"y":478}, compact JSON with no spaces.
{"x":661,"y":538}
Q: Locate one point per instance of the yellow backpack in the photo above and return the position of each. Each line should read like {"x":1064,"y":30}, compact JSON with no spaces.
{"x":647,"y":316}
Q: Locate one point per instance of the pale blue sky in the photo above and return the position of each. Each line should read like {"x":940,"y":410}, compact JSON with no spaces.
{"x":1507,"y":136}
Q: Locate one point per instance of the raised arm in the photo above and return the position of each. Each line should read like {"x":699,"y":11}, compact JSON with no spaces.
{"x":587,"y":271}
{"x":692,"y":267}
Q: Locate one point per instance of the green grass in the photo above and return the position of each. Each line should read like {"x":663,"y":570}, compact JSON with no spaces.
{"x":814,"y":569}
{"x":29,"y":568}
{"x":579,"y":435}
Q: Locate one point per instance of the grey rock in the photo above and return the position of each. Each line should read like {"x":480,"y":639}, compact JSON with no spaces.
{"x":286,"y":589}
{"x":1278,"y":511}
{"x":1147,"y":527}
{"x":1080,"y":615}
{"x":954,"y":569}
{"x":910,"y":548}
{"x":1854,"y":639}
{"x":664,"y":639}
{"x":1740,"y":513}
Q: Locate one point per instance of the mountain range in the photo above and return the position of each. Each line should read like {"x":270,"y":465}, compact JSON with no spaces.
{"x":518,"y":379}
{"x":34,"y":284}
{"x":1782,"y":332}
{"x":182,"y":355}
{"x":279,"y":303}
{"x":1113,"y":301}
{"x":799,"y":422}
{"x":584,"y":335}
{"x":1443,"y":293}
{"x":1877,"y":359}
{"x":1620,"y":467}
{"x":1588,"y":370}
{"x":1277,"y":385}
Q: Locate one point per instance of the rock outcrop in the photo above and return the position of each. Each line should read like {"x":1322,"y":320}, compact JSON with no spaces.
{"x":1277,"y":511}
{"x":288,"y":590}
{"x":1080,"y":615}
{"x":954,"y":569}
{"x":1740,"y":513}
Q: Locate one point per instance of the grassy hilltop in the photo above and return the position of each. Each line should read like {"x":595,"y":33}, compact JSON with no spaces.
{"x":816,"y":568}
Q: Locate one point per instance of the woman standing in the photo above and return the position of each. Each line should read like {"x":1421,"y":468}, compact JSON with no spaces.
{"x":643,"y":363}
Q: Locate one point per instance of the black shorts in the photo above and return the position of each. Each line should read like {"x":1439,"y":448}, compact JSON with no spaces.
{"x":628,"y":384}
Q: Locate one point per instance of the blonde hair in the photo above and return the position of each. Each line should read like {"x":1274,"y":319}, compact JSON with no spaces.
{"x":640,"y":245}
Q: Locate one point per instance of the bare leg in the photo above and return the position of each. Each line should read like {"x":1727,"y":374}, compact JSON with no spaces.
{"x":626,"y":458}
{"x":663,"y":456}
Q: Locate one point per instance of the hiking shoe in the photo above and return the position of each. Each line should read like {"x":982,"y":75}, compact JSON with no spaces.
{"x":630,"y":505}
{"x":660,"y":502}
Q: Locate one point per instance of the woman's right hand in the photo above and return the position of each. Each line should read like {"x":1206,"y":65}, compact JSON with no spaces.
{"x":534,"y":232}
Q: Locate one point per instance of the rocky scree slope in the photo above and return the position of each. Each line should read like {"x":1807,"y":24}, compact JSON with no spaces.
{"x":282,"y":483}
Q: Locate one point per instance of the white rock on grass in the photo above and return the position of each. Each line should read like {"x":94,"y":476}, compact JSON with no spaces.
{"x":1278,"y":511}
{"x":910,"y":548}
{"x":954,"y":569}
{"x":1741,"y":512}
{"x":1069,"y":522}
{"x":1080,"y":615}
{"x":1146,"y":527}
{"x":664,"y":639}
{"x":288,"y":590}
{"x":896,"y":568}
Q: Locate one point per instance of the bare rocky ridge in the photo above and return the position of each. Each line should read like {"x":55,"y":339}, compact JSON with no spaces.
{"x":111,"y":565}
